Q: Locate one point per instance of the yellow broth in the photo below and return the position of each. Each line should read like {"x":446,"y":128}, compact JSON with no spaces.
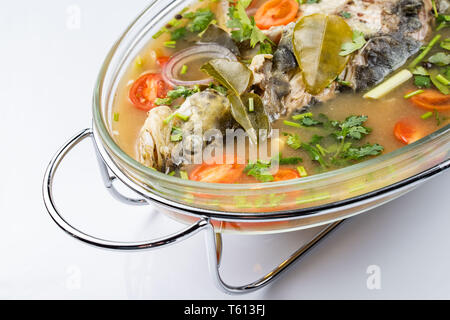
{"x":382,"y":114}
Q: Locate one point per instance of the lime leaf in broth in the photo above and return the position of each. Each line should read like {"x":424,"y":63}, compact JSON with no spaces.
{"x":440,"y":86}
{"x":233,"y":75}
{"x":317,"y":41}
{"x":251,"y":121}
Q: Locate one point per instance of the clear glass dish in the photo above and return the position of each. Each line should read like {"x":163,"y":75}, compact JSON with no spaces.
{"x":268,"y":207}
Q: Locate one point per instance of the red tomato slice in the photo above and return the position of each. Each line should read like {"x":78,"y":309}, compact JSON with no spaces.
{"x":286,"y":174}
{"x":408,"y":131}
{"x":162,"y":61}
{"x":146,"y":89}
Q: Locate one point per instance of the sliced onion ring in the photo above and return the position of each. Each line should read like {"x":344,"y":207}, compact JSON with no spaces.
{"x":175,"y":64}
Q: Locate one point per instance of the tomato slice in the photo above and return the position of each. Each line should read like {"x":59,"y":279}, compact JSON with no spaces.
{"x":286,"y":174}
{"x":218,"y":172}
{"x":162,"y":61}
{"x":276,"y":13}
{"x":146,"y":89}
{"x":408,"y":131}
{"x":432,"y":100}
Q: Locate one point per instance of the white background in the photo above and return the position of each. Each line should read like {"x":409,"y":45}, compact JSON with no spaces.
{"x":48,"y":70}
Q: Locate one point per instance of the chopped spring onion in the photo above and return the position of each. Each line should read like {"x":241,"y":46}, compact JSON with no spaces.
{"x":433,"y":3}
{"x":389,"y":85}
{"x":441,"y":26}
{"x":116,"y":116}
{"x":174,"y":23}
{"x":442,"y":79}
{"x":184,"y":175}
{"x":168,"y":119}
{"x":292,"y":124}
{"x":165,"y":101}
{"x":160,"y":33}
{"x":424,"y":53}
{"x":322,"y":150}
{"x":302,"y":171}
{"x":426,"y":116}
{"x":170,"y":44}
{"x":176,"y":137}
{"x":301,"y":116}
{"x":184,"y":69}
{"x":138,"y":62}
{"x":171,"y":173}
{"x":251,"y":104}
{"x":182,"y":117}
{"x":412,"y":94}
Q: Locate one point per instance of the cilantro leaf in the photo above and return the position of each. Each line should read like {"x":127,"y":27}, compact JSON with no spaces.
{"x":293,"y":141}
{"x":309,"y":122}
{"x":244,"y":28}
{"x":200,"y":20}
{"x":259,"y":170}
{"x":359,"y":153}
{"x":290,"y":160}
{"x":358,"y":42}
{"x":345,"y":14}
{"x":257,"y":36}
{"x":446,"y":44}
{"x":181,"y":91}
{"x":440,"y":59}
{"x":178,"y":33}
{"x":352,"y":127}
{"x":314,"y":153}
{"x":422,"y":81}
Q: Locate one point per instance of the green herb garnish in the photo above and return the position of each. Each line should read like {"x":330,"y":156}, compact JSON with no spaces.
{"x":293,"y":140}
{"x":358,"y":42}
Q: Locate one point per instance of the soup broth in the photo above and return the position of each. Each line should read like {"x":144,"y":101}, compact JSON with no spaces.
{"x":315,"y":124}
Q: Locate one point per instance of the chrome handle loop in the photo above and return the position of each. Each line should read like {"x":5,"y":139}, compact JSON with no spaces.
{"x":213,"y":239}
{"x":214,"y":244}
{"x":47,"y":191}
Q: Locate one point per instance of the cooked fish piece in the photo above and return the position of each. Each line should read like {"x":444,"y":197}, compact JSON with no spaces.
{"x":154,"y":145}
{"x":388,"y":51}
{"x":443,"y":6}
{"x":298,"y":100}
{"x":284,"y":67}
{"x":395,"y":30}
{"x":205,"y":110}
{"x":261,"y":66}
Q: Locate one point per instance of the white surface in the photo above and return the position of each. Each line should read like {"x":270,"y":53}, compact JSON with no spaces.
{"x":47,"y":76}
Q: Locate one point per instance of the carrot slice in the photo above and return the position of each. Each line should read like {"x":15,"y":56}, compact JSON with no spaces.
{"x":408,"y":131}
{"x":276,"y":13}
{"x":432,"y":100}
{"x":286,"y":174}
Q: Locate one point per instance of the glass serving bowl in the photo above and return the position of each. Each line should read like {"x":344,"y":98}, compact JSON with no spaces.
{"x":323,"y":199}
{"x":297,"y":203}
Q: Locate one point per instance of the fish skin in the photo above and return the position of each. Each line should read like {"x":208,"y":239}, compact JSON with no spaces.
{"x":386,"y":52}
{"x":284,"y":65}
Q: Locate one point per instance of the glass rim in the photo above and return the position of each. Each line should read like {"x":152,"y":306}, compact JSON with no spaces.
{"x":101,"y":125}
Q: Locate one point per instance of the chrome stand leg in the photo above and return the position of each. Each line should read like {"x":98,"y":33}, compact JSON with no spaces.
{"x":214,"y":247}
